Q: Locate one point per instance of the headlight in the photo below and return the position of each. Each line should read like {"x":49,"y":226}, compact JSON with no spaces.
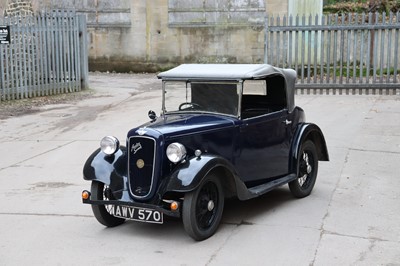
{"x":109,"y":145}
{"x":176,"y":152}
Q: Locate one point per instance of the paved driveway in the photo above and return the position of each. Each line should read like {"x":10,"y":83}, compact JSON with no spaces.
{"x":352,"y":216}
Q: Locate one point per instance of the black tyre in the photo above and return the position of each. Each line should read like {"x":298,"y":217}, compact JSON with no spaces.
{"x":307,"y":171}
{"x":202,"y":209}
{"x":102,"y":212}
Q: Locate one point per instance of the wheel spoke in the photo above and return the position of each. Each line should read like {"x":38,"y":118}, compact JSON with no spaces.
{"x":305,"y":169}
{"x":305,"y":157}
{"x":108,"y":208}
{"x":307,"y":163}
{"x":104,"y":213}
{"x":204,"y":216}
{"x":202,"y":208}
{"x":106,"y":192}
{"x":302,"y":180}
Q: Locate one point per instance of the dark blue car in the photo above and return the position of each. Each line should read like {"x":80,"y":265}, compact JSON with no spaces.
{"x":225,"y":130}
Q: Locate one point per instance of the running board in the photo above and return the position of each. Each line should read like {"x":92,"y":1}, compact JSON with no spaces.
{"x":264,"y":188}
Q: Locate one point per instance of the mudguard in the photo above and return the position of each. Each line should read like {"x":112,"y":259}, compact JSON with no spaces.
{"x":190,"y":174}
{"x":108,"y":169}
{"x":304,"y":132}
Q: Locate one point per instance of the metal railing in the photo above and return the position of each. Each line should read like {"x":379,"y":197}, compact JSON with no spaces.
{"x":346,"y":53}
{"x":47,"y":55}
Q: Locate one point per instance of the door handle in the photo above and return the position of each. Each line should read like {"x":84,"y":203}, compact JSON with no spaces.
{"x":287,"y":122}
{"x":243,"y":127}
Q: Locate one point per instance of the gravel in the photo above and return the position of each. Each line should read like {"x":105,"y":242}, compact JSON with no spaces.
{"x":21,"y":107}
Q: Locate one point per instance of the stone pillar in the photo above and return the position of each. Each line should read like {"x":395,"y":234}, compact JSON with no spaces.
{"x":22,"y":48}
{"x":18,"y":8}
{"x":305,"y":7}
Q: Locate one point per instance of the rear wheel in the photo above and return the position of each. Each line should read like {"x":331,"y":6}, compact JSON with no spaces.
{"x":307,"y":163}
{"x":202,"y":209}
{"x":99,"y":191}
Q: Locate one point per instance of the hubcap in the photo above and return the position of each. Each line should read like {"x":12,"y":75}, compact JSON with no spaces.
{"x":210,"y":205}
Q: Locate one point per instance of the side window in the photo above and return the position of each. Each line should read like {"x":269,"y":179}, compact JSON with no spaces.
{"x":261,"y":97}
{"x":255,"y":87}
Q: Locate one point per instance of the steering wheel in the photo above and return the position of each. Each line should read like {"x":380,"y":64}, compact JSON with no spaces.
{"x":191,"y":106}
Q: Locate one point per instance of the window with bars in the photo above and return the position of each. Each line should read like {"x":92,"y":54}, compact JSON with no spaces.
{"x":198,"y":13}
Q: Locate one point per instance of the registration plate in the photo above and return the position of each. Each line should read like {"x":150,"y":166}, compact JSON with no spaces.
{"x":137,"y":214}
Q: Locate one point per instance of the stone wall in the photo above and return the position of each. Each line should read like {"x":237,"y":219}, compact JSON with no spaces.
{"x":140,"y":35}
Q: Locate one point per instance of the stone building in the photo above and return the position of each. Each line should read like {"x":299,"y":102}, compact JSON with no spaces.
{"x":140,"y":35}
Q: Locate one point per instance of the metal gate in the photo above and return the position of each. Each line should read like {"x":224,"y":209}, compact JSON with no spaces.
{"x":47,"y":55}
{"x":346,"y":53}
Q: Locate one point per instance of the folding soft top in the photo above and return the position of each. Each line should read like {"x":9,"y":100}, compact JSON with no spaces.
{"x":222,"y":72}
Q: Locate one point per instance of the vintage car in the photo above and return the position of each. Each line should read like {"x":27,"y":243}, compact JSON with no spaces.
{"x":225,"y":130}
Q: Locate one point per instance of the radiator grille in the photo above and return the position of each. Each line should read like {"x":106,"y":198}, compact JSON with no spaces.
{"x":141,"y":165}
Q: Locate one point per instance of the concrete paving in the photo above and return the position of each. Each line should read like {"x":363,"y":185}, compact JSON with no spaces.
{"x":351,"y":218}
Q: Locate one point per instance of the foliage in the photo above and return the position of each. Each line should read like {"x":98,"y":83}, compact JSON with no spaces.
{"x":360,"y":6}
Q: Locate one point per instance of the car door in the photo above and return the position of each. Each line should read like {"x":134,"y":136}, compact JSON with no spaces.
{"x":263,"y":146}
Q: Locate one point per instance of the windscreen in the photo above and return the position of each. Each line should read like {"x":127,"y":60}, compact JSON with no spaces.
{"x":206,"y":97}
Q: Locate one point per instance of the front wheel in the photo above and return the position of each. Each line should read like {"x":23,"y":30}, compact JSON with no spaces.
{"x":307,"y":164}
{"x":202,"y":209}
{"x":99,"y":191}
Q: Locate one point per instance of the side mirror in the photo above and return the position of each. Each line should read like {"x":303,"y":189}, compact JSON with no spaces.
{"x":152,"y":115}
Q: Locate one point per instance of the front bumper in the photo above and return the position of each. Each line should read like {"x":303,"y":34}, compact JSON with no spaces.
{"x":161,"y":208}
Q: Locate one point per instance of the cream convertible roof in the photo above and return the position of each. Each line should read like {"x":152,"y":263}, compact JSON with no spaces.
{"x":232,"y":72}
